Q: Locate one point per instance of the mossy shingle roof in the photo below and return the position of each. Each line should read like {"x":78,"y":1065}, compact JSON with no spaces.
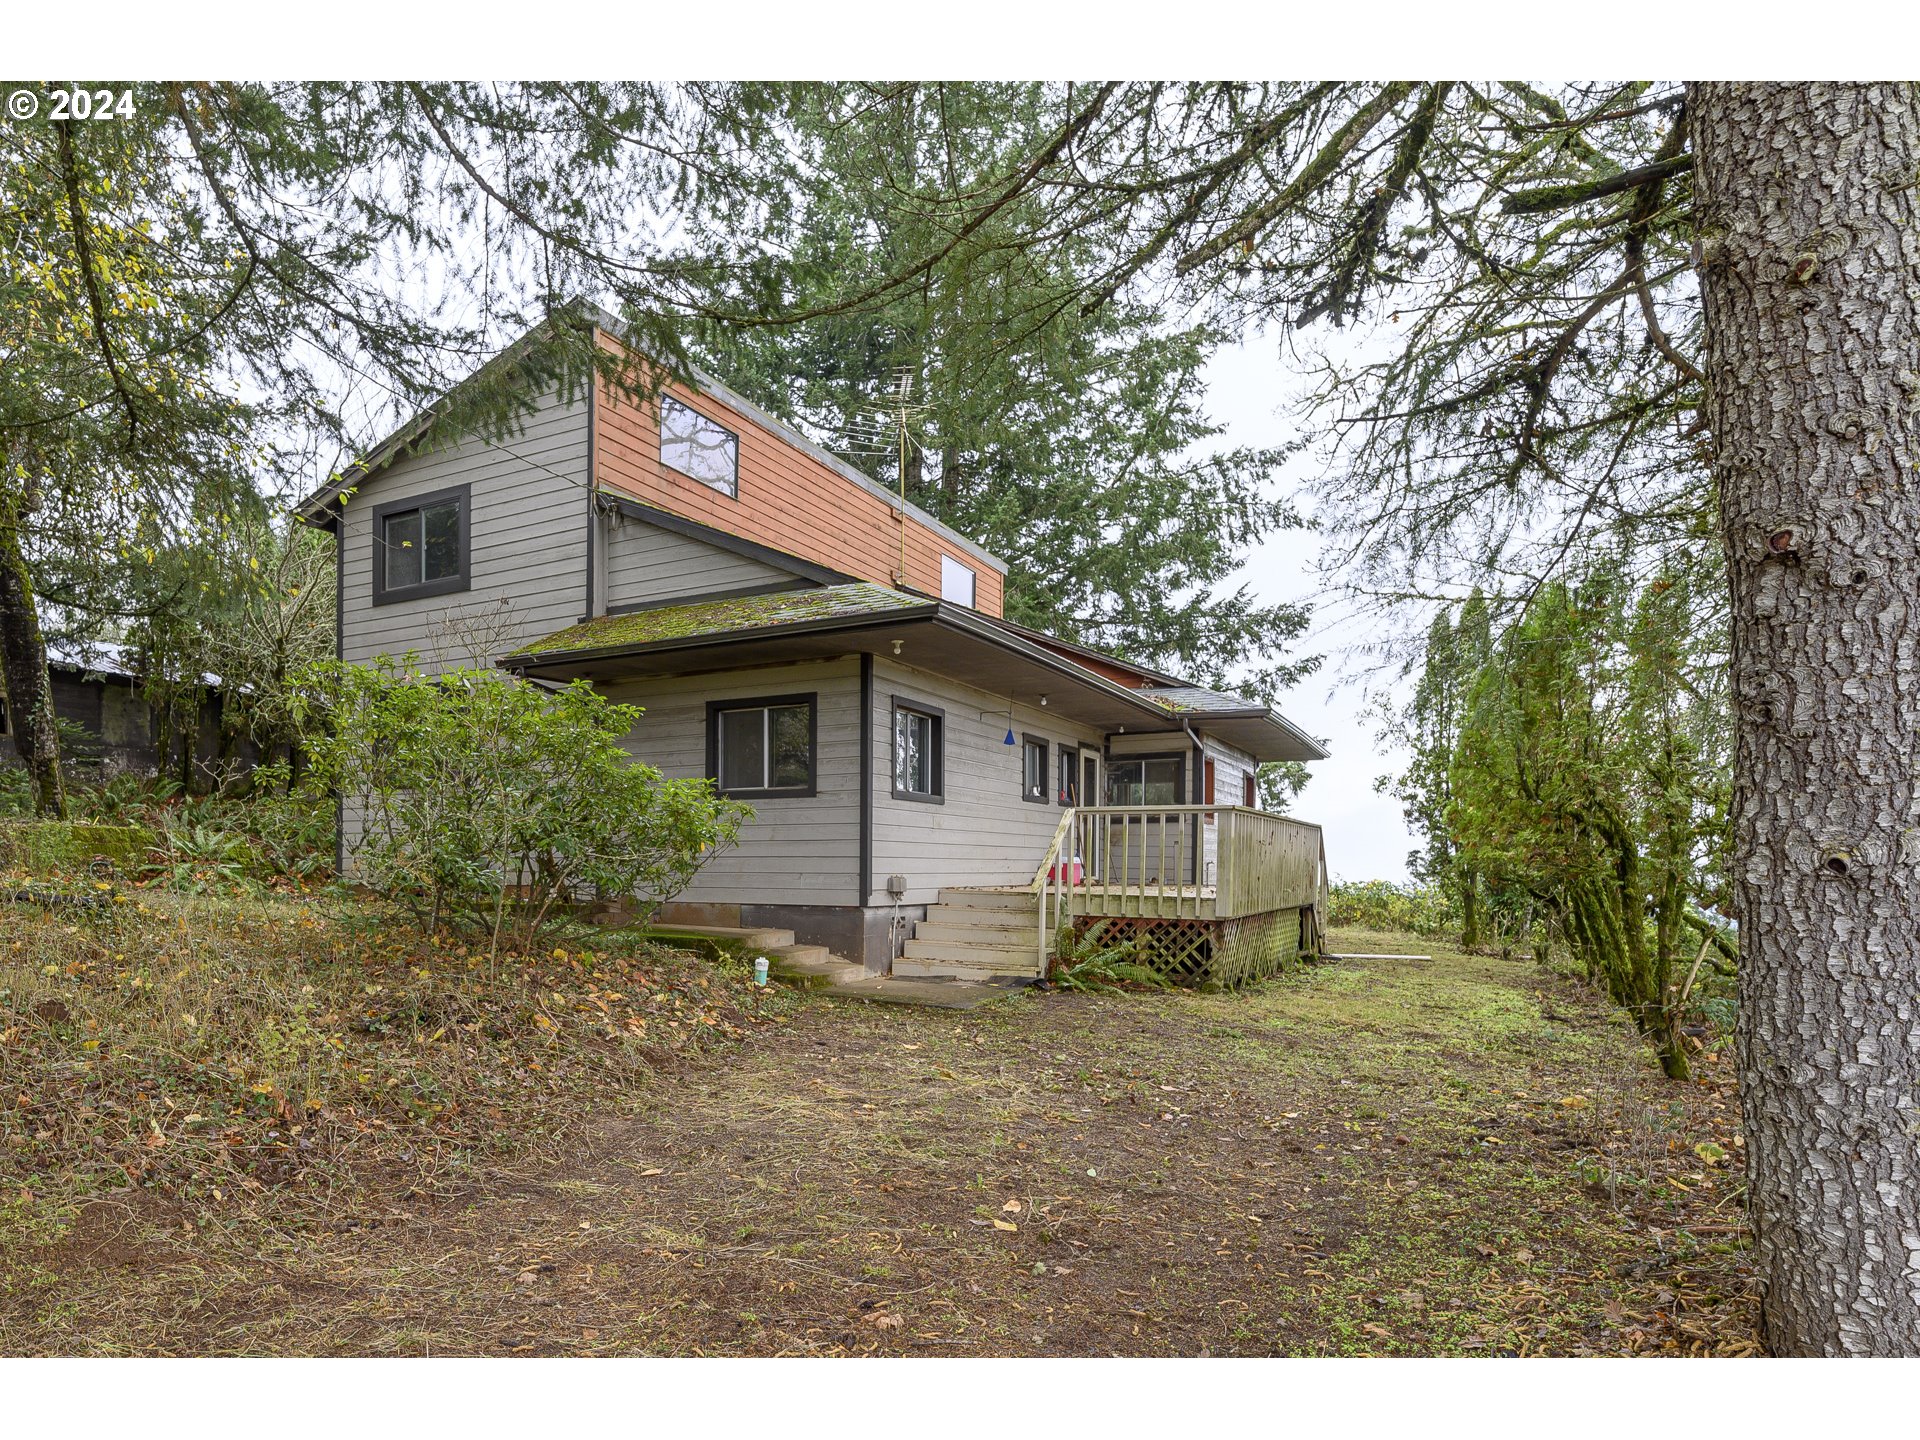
{"x":723,"y":617}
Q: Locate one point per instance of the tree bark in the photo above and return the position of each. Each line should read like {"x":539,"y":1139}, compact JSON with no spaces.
{"x":1808,"y":250}
{"x":23,"y":661}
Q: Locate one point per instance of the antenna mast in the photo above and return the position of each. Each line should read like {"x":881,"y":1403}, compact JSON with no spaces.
{"x":888,"y":426}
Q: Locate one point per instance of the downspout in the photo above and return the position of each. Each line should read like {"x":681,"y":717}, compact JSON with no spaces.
{"x":593,"y":496}
{"x":1199,"y":821}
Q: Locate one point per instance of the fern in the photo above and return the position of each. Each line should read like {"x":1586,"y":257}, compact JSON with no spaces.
{"x":1083,"y":961}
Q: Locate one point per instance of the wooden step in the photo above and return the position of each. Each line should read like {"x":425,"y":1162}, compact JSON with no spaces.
{"x":982,"y":919}
{"x":984,"y":957}
{"x":1009,"y":936}
{"x":991,"y":899}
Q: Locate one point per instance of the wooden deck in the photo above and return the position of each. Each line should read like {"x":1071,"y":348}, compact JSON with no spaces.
{"x":1149,"y":899}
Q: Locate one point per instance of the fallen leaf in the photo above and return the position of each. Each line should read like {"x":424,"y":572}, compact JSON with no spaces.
{"x":999,"y":1224}
{"x":1012,"y":1207}
{"x":655,"y":1171}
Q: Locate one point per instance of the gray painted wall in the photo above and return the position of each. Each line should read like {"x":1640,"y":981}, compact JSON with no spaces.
{"x":802,"y":851}
{"x":984,"y":833}
{"x":529,"y":545}
{"x":646,"y":563}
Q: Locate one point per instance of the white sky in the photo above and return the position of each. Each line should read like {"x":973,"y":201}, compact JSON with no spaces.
{"x":1249,"y":390}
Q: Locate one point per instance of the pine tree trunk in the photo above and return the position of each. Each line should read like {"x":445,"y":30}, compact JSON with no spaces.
{"x":1809,"y":261}
{"x":23,"y":664}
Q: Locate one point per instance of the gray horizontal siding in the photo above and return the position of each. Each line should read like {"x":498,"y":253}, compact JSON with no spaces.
{"x":529,"y":545}
{"x":803,"y":851}
{"x":984,"y":833}
{"x":646,"y":564}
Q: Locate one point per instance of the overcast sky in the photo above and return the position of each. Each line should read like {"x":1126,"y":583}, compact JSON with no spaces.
{"x":1250,"y":389}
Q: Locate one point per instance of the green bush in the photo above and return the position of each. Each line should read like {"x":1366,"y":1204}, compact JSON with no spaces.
{"x":1382,"y":905}
{"x":468,"y":790}
{"x":42,"y":847}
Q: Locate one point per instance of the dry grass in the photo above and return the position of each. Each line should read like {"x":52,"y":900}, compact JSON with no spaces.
{"x":1396,"y":1157}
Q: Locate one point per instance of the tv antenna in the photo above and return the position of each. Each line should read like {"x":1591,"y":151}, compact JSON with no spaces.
{"x":888,"y":427}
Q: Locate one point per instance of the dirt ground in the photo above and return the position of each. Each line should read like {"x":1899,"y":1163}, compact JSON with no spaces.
{"x":1461,"y":1155}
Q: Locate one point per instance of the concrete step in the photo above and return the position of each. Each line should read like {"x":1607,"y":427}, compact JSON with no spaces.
{"x":990,"y":899}
{"x":811,"y":967}
{"x":757,"y":938}
{"x":981,"y":957}
{"x":800,"y":954}
{"x":1010,"y":920}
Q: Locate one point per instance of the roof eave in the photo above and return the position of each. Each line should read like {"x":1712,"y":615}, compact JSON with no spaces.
{"x":596,"y":653}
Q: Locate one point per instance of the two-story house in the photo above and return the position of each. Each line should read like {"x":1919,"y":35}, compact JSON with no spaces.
{"x":927,"y":778}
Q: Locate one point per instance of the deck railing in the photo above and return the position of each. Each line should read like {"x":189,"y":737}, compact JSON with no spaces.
{"x":1214,"y":862}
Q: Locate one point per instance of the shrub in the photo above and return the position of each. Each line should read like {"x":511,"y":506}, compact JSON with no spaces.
{"x":465,"y":790}
{"x":1382,"y":905}
{"x":42,"y":847}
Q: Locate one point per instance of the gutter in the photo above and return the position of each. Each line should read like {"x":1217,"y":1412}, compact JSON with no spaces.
{"x":956,"y":618}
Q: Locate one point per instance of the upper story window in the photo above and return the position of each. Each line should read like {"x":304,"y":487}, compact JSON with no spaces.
{"x":1033,"y":769}
{"x":956,"y":581}
{"x":918,"y":752}
{"x":762,"y":749}
{"x":698,"y":447}
{"x":1146,"y":780}
{"x":422,"y":545}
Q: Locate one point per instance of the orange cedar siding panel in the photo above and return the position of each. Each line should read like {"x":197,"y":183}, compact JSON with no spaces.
{"x":788,"y":500}
{"x":1115,"y":670}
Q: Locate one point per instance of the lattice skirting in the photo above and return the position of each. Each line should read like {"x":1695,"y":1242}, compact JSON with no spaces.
{"x":1212,"y":952}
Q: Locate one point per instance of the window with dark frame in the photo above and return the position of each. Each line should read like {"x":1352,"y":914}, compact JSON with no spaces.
{"x":1069,"y":775}
{"x":1146,"y":780}
{"x":919,"y":761}
{"x":699,"y":448}
{"x":1249,"y":791}
{"x":422,"y":546}
{"x":762,"y":749}
{"x":1033,"y":769}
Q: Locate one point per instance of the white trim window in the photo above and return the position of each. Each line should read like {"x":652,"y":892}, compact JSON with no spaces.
{"x":956,"y":582}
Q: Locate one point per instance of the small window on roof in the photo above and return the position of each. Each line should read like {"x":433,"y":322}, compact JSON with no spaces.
{"x":956,"y":581}
{"x":697,"y":447}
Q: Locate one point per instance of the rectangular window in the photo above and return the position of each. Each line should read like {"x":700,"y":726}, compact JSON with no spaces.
{"x":918,"y":762}
{"x":762,"y":748}
{"x":1033,"y":769}
{"x":1068,"y":787}
{"x":421,"y":546}
{"x":699,"y":448}
{"x":1249,"y":794}
{"x":1146,"y":780}
{"x":956,"y":581}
